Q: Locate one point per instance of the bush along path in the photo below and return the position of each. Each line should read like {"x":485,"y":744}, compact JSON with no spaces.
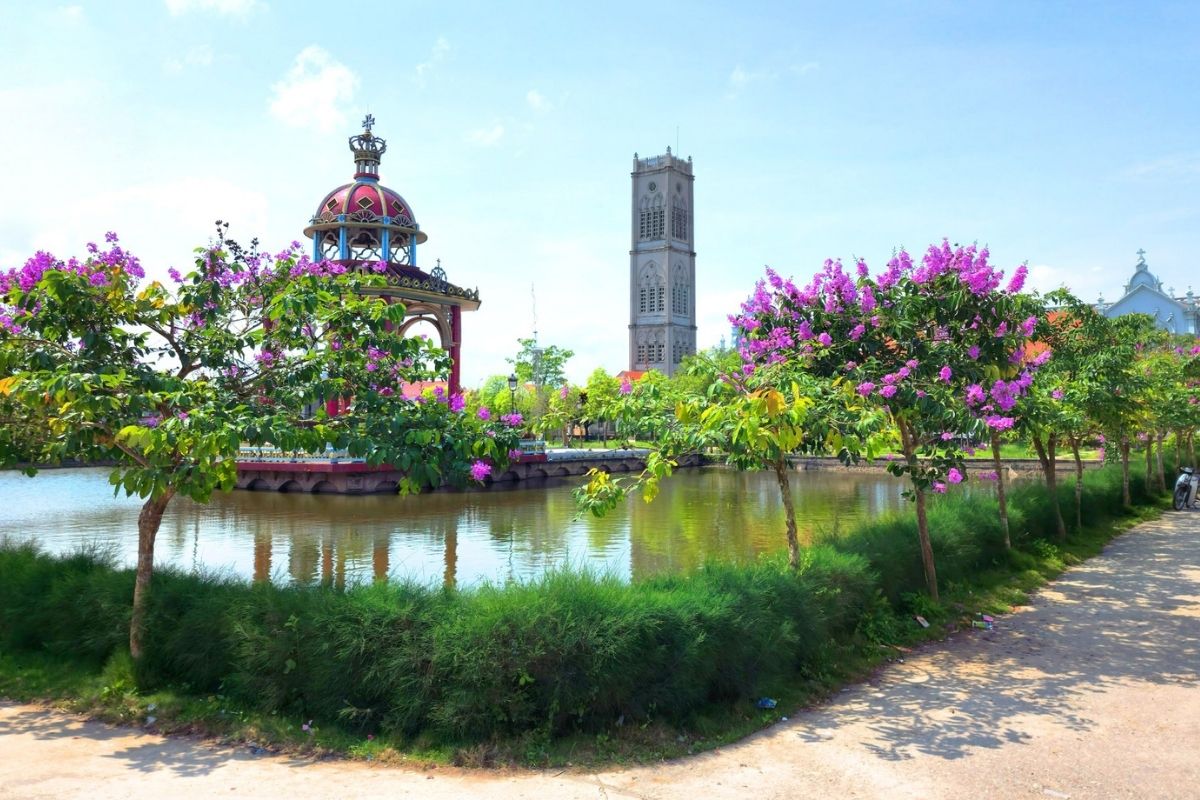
{"x":572,"y":668}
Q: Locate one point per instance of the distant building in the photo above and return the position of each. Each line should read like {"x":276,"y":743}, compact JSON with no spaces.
{"x":1144,"y":294}
{"x":662,"y":264}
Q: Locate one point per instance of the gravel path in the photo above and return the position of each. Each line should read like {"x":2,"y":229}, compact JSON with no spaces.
{"x":1089,"y":692}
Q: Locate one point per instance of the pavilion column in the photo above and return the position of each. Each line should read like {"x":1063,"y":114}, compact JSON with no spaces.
{"x":455,"y":348}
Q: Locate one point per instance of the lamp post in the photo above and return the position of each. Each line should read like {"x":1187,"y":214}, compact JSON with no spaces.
{"x":512,"y":393}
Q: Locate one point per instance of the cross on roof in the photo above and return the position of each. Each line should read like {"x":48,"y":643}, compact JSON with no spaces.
{"x":368,"y":122}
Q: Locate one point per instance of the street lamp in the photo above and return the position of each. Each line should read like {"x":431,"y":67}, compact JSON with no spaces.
{"x":512,"y":392}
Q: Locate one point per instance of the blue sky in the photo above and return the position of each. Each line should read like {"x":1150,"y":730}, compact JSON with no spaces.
{"x":1064,"y":135}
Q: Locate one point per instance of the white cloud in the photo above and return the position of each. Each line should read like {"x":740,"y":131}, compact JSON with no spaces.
{"x":69,"y":15}
{"x":199,"y":56}
{"x":537,"y":101}
{"x":438,"y":54}
{"x":486,"y":137}
{"x":1181,"y":165}
{"x":740,"y":78}
{"x":1086,"y":283}
{"x":314,"y":92}
{"x":805,"y":68}
{"x":227,"y":8}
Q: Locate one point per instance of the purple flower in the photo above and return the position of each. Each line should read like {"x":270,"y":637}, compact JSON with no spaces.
{"x":939,"y":487}
{"x":1018,"y":279}
{"x":857,"y":332}
{"x":480,"y":470}
{"x":514,"y":455}
{"x":513,"y":420}
{"x":483,"y":413}
{"x":944,"y":374}
{"x":183,"y":415}
{"x":999,"y":423}
{"x":975,"y":395}
{"x":626,"y":386}
{"x":865,"y":388}
{"x":973,"y":352}
{"x":457,"y":403}
{"x":1057,"y":394}
{"x":1028,"y":325}
{"x":175,"y":276}
{"x":947,"y":436}
{"x":888,"y":391}
{"x":954,"y":476}
{"x":825,"y":339}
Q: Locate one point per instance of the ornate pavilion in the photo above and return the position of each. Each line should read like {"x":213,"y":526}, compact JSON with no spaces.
{"x":363,"y":223}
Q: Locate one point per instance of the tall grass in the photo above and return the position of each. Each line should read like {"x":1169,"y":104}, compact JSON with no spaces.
{"x":568,"y":651}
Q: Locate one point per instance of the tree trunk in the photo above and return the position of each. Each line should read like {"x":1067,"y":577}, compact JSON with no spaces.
{"x":1178,"y":436}
{"x":1078,"y":484}
{"x":1000,"y":498}
{"x":1162,"y":478}
{"x":1191,"y":444}
{"x":1046,"y":455}
{"x":1150,"y":463}
{"x":1125,"y":496}
{"x":910,"y":455}
{"x":149,"y":519}
{"x":785,"y":492}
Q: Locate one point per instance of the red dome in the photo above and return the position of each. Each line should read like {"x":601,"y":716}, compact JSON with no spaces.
{"x":369,"y":197}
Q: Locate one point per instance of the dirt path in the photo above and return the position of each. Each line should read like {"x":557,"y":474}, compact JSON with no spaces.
{"x":1091,"y":692}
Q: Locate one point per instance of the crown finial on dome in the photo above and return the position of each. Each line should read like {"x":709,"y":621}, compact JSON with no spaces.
{"x":368,"y":149}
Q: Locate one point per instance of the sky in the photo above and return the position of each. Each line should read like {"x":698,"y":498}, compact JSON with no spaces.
{"x":1065,"y":135}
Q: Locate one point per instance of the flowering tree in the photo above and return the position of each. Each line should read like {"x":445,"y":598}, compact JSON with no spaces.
{"x":170,"y":382}
{"x":936,"y":345}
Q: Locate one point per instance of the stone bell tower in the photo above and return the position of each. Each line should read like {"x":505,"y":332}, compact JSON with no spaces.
{"x":662,"y":264}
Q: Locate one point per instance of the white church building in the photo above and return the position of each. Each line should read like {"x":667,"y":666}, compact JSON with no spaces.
{"x":1144,"y":294}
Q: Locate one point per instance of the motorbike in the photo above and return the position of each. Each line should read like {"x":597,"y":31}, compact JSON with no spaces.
{"x":1186,"y":487}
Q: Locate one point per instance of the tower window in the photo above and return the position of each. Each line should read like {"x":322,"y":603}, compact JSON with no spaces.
{"x":679,"y":222}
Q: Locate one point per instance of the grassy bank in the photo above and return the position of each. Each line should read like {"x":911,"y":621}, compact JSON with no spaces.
{"x":572,"y":667}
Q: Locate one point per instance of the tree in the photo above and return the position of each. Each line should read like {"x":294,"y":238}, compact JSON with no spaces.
{"x":169,"y":383}
{"x":935,"y":345}
{"x":602,"y":393}
{"x":544,"y":367}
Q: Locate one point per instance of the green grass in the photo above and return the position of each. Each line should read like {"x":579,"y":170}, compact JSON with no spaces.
{"x":571,"y":668}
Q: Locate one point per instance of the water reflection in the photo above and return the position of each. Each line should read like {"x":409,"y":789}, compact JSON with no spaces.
{"x":451,"y":538}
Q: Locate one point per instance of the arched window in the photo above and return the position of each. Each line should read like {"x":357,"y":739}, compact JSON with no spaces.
{"x":679,"y":220}
{"x":652,"y":290}
{"x":651,"y":216}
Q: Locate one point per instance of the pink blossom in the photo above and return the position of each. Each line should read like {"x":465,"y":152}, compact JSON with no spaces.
{"x":888,"y":391}
{"x":825,"y":339}
{"x":626,"y":386}
{"x":457,"y":403}
{"x":483,"y":413}
{"x":513,"y":420}
{"x":1057,"y":394}
{"x":865,"y":388}
{"x":1018,"y":279}
{"x":973,"y":352}
{"x":939,"y":487}
{"x":564,"y":391}
{"x":480,"y":470}
{"x":954,"y":476}
{"x":944,"y":374}
{"x":514,"y":455}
